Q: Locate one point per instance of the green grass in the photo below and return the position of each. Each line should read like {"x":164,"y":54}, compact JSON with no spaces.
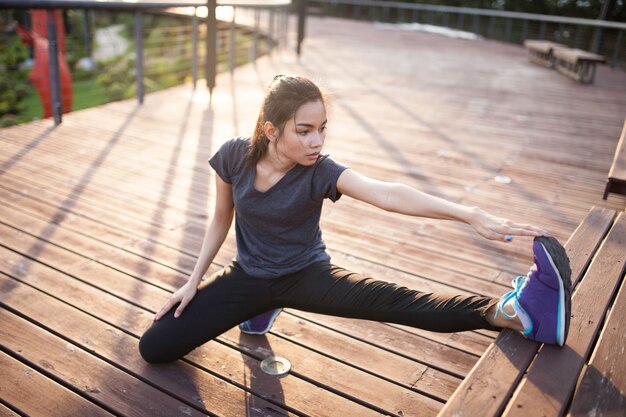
{"x":85,"y":93}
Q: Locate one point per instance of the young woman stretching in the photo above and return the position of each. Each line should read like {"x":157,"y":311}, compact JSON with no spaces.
{"x":274,"y":184}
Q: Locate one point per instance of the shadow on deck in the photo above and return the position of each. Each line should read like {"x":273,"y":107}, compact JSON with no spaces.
{"x":102,"y":217}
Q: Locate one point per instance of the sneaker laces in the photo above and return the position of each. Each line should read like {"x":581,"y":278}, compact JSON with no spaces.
{"x":515,"y":293}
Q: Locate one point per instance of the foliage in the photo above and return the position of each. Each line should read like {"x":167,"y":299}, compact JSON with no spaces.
{"x":13,"y":80}
{"x":117,"y":77}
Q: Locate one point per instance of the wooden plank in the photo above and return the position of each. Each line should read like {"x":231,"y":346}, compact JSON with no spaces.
{"x":618,"y":168}
{"x":487,"y":388}
{"x":7,"y":412}
{"x":555,"y":371}
{"x":541,"y":45}
{"x":95,"y":379}
{"x":575,"y":55}
{"x":179,"y":379}
{"x":617,"y":174}
{"x":437,"y":133}
{"x":463,"y":340}
{"x":20,"y":384}
{"x":467,"y":267}
{"x":393,"y":339}
{"x":430,"y":353}
{"x":122,"y":315}
{"x":360,"y":354}
{"x":602,"y":390}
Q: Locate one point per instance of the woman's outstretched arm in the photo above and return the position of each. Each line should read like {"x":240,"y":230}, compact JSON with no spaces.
{"x":213,"y":239}
{"x":401,"y":198}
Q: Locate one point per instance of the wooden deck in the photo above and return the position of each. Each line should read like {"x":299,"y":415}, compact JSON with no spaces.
{"x":101,"y":219}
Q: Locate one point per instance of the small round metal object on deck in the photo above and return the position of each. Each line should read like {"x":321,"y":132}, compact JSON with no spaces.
{"x":275,"y":365}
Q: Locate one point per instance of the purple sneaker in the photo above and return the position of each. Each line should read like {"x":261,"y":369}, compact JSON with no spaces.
{"x":260,"y":324}
{"x":542,"y":299}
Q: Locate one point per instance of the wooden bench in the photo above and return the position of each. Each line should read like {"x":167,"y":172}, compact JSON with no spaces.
{"x":542,"y":52}
{"x":616,"y":182}
{"x":519,"y":377}
{"x":577,"y":64}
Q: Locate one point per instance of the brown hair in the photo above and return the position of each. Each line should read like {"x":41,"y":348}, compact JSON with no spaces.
{"x":283,"y":98}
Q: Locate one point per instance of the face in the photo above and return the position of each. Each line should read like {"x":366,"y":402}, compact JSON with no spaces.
{"x":303,"y":136}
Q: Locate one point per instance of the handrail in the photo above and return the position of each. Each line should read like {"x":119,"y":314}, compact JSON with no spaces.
{"x":99,"y":4}
{"x":132,"y":4}
{"x":138,"y":7}
{"x":522,"y":20}
{"x":482,"y":12}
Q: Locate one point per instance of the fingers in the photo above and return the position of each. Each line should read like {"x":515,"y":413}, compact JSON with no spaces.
{"x":181,"y":307}
{"x":170,"y":303}
{"x":181,"y":300}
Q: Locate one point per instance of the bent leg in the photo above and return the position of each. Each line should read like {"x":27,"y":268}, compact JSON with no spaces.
{"x":329,"y":289}
{"x":226,"y":299}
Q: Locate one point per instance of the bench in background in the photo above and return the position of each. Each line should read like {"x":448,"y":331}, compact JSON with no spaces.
{"x":519,"y":377}
{"x":542,"y":52}
{"x":616,"y":182}
{"x":575,"y":63}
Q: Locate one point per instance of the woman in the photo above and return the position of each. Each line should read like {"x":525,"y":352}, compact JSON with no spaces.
{"x":274,"y":183}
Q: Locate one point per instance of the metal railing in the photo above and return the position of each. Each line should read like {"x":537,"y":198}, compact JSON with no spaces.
{"x":261,"y":26}
{"x":599,"y":36}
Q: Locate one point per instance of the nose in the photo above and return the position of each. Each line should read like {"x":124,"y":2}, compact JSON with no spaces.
{"x":316,"y":140}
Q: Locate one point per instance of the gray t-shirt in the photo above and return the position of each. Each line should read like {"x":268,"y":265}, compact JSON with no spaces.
{"x":277,"y":231}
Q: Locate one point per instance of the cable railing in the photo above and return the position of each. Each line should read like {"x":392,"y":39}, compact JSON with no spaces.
{"x":114,"y":49}
{"x":598,"y":36}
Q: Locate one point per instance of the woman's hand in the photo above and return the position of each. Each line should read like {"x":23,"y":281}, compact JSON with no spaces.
{"x":183,"y":296}
{"x":496,"y":228}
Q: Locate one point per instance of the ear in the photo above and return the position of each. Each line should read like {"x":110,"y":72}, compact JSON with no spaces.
{"x":271,"y":132}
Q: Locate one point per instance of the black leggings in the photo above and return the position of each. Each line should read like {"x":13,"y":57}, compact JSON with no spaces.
{"x":231,"y":296}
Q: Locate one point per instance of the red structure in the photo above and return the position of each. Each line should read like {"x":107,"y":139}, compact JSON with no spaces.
{"x":40,"y":74}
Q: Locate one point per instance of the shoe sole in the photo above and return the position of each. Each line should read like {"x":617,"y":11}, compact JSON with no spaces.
{"x":269,"y":325}
{"x":560,"y":262}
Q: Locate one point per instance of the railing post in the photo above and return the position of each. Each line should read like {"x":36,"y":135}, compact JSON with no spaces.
{"x":577,"y":37}
{"x":460,"y":20}
{"x":476,"y":24}
{"x":271,"y":29}
{"x":507,"y":30}
{"x":139,"y":56}
{"x":210,"y":69}
{"x":618,"y":45}
{"x":194,"y":47}
{"x":286,"y":29}
{"x":255,"y":36}
{"x":542,"y":30}
{"x":55,"y":82}
{"x":301,"y":24}
{"x":596,"y":41}
{"x":87,"y":39}
{"x":524,"y":30}
{"x":232,"y":44}
{"x":490,"y":27}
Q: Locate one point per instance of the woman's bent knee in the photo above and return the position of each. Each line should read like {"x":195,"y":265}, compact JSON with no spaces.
{"x":152,"y":351}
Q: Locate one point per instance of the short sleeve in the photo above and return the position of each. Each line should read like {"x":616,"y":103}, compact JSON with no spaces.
{"x":325,"y":178}
{"x":229,"y":159}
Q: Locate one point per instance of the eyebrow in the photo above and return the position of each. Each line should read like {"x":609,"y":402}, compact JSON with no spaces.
{"x":310,"y":125}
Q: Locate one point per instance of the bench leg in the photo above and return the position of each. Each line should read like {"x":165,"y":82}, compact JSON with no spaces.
{"x":607,"y":188}
{"x":586,"y":72}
